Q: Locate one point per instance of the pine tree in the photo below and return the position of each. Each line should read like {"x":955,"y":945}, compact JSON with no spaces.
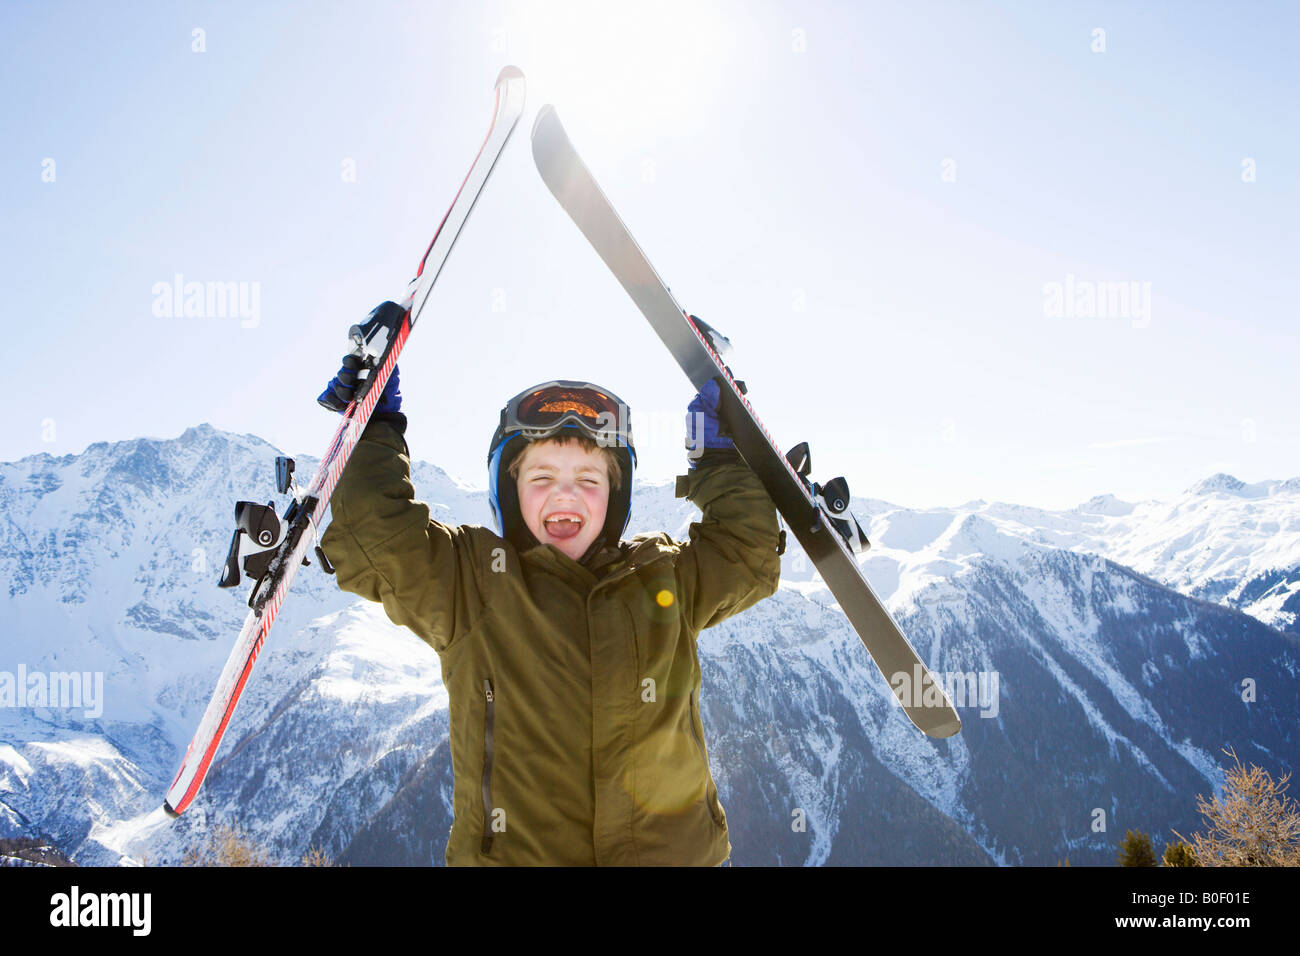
{"x":1180,"y":854}
{"x":1136,"y":850}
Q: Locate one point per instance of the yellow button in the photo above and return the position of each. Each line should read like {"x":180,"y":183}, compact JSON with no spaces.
{"x":665,"y":598}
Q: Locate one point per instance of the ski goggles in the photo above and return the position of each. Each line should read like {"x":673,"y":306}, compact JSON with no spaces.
{"x":543,"y":410}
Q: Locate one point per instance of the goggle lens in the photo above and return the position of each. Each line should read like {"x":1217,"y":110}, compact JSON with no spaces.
{"x":548,"y":406}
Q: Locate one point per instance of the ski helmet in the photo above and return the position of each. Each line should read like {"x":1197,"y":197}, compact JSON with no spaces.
{"x":544,"y":411}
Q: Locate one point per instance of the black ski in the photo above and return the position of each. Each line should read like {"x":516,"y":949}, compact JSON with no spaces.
{"x":818,"y":514}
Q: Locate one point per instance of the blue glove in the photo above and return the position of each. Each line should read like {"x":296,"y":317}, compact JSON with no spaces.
{"x":703,"y":430}
{"x":342,"y":388}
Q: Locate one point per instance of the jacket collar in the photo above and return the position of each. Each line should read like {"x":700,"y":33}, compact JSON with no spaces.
{"x":601,"y":565}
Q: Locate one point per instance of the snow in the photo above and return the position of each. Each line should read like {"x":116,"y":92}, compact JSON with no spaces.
{"x":13,"y":763}
{"x":1107,"y":505}
{"x":126,"y":837}
{"x":1204,"y":763}
{"x":910,"y":530}
{"x":85,"y":751}
{"x":1220,"y":530}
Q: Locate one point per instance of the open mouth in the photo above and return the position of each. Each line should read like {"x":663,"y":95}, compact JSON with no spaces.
{"x":563,"y":524}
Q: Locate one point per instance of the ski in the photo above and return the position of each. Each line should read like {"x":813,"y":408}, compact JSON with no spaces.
{"x":818,"y":514}
{"x":271,"y":549}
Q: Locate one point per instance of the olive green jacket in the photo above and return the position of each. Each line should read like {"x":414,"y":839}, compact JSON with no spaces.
{"x":573,"y":690}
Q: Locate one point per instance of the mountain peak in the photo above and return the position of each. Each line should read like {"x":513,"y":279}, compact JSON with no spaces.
{"x":204,"y":430}
{"x":1227,"y":484}
{"x":1220,"y":483}
{"x":1107,"y":505}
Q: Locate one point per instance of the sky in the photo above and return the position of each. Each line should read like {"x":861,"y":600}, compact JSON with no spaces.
{"x":905,"y":216}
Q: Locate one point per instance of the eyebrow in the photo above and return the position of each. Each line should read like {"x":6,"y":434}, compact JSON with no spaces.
{"x":543,"y":466}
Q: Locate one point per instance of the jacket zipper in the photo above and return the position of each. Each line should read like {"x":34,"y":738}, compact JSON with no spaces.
{"x":485,"y":845}
{"x":708,"y":774}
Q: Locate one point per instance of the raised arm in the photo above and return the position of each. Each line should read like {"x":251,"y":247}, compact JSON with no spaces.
{"x":732,"y":560}
{"x":383,"y":543}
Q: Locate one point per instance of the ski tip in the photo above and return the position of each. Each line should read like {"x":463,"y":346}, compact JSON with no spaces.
{"x":544,"y":115}
{"x":509,"y":73}
{"x":949,"y":729}
{"x":170,"y":812}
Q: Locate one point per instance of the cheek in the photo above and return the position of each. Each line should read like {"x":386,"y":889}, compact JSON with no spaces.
{"x":529,"y":499}
{"x":597,"y":500}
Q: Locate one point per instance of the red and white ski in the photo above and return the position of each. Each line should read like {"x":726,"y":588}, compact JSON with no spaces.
{"x":278,"y":548}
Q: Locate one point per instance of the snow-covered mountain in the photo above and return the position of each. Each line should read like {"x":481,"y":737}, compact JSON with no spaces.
{"x":1222,"y":540}
{"x":1099,"y":658}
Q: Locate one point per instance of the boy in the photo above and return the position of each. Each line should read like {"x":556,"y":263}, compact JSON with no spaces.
{"x":568,"y":655}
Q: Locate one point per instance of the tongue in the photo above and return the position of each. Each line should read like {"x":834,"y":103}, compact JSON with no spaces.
{"x":563,"y":529}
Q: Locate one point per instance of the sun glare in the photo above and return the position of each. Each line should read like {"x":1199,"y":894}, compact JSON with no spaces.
{"x":625,"y":69}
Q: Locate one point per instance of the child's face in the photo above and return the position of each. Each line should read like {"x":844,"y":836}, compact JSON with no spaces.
{"x":563,"y":495}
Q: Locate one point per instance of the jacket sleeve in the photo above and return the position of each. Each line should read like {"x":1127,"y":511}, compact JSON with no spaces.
{"x":731,"y":561}
{"x":386,"y":548}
